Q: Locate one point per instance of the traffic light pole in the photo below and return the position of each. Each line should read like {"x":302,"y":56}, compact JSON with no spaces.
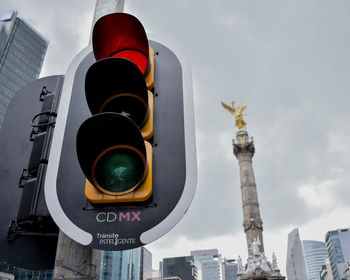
{"x":73,"y":260}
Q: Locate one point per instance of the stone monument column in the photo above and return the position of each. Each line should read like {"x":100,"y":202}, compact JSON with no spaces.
{"x":257,"y":267}
{"x":243,"y":148}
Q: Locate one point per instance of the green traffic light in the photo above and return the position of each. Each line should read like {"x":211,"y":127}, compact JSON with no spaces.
{"x":119,"y":170}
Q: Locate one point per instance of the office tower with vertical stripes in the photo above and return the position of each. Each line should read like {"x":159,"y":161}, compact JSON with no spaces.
{"x":338,"y":248}
{"x":22,"y":52}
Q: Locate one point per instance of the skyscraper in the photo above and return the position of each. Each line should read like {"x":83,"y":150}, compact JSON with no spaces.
{"x":326,"y":271}
{"x":209,"y":264}
{"x":295,"y":264}
{"x":135,"y":264}
{"x":315,"y":255}
{"x":22,"y":52}
{"x":338,"y":249}
{"x":182,"y":267}
{"x":229,"y":270}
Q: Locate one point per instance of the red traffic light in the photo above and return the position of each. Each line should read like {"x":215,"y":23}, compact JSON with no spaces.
{"x":121,"y":35}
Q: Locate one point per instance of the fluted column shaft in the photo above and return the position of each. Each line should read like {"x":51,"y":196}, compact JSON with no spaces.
{"x":243,"y":148}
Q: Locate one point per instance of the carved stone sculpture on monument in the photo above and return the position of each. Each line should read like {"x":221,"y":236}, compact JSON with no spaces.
{"x":274,"y":262}
{"x":258,"y":267}
{"x":254,"y":247}
{"x":240,"y":269}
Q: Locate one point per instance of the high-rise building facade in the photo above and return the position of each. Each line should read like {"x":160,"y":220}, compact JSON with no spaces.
{"x":22,"y":52}
{"x":347,"y":270}
{"x":208,"y":262}
{"x":295,"y":264}
{"x":326,"y":271}
{"x":315,"y":255}
{"x":9,"y":271}
{"x":229,"y":271}
{"x":338,"y":249}
{"x":135,"y":264}
{"x":182,"y":267}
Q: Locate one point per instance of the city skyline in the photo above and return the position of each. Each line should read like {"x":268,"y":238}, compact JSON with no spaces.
{"x":288,"y":62}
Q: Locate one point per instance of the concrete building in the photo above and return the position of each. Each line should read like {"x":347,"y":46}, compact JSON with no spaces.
{"x":22,"y":52}
{"x":157,"y":273}
{"x":315,"y":255}
{"x":295,"y":263}
{"x":182,"y":267}
{"x":208,"y":263}
{"x":347,"y":270}
{"x":326,"y":271}
{"x":135,"y":264}
{"x":338,"y":249}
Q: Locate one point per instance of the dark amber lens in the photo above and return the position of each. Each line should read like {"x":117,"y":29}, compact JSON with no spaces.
{"x":128,"y":106}
{"x":119,"y":170}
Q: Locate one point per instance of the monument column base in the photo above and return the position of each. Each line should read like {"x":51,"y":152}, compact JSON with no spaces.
{"x":258,"y":267}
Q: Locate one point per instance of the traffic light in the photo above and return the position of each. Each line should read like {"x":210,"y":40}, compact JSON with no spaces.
{"x":111,"y":150}
{"x":124,"y":167}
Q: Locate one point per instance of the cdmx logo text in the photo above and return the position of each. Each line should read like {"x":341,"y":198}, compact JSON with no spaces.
{"x":110,"y":217}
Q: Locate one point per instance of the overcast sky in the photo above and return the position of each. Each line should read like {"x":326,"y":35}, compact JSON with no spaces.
{"x":289,"y":62}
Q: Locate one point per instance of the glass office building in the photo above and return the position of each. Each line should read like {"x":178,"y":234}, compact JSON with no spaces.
{"x":22,"y":52}
{"x":208,"y":263}
{"x":135,"y":264}
{"x":230,"y":269}
{"x":315,"y":255}
{"x":8,"y":271}
{"x":181,"y":267}
{"x":338,"y":248}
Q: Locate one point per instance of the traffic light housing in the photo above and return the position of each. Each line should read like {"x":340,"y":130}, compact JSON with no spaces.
{"x":28,"y":235}
{"x":110,"y":145}
{"x":99,"y":134}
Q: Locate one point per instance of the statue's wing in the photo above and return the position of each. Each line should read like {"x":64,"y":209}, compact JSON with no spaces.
{"x":228,"y":108}
{"x":243,"y":108}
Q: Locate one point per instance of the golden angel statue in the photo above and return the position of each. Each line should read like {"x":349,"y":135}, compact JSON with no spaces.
{"x":238,"y":113}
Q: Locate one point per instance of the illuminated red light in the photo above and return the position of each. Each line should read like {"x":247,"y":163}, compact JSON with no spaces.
{"x":138,"y":58}
{"x":121,"y":35}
